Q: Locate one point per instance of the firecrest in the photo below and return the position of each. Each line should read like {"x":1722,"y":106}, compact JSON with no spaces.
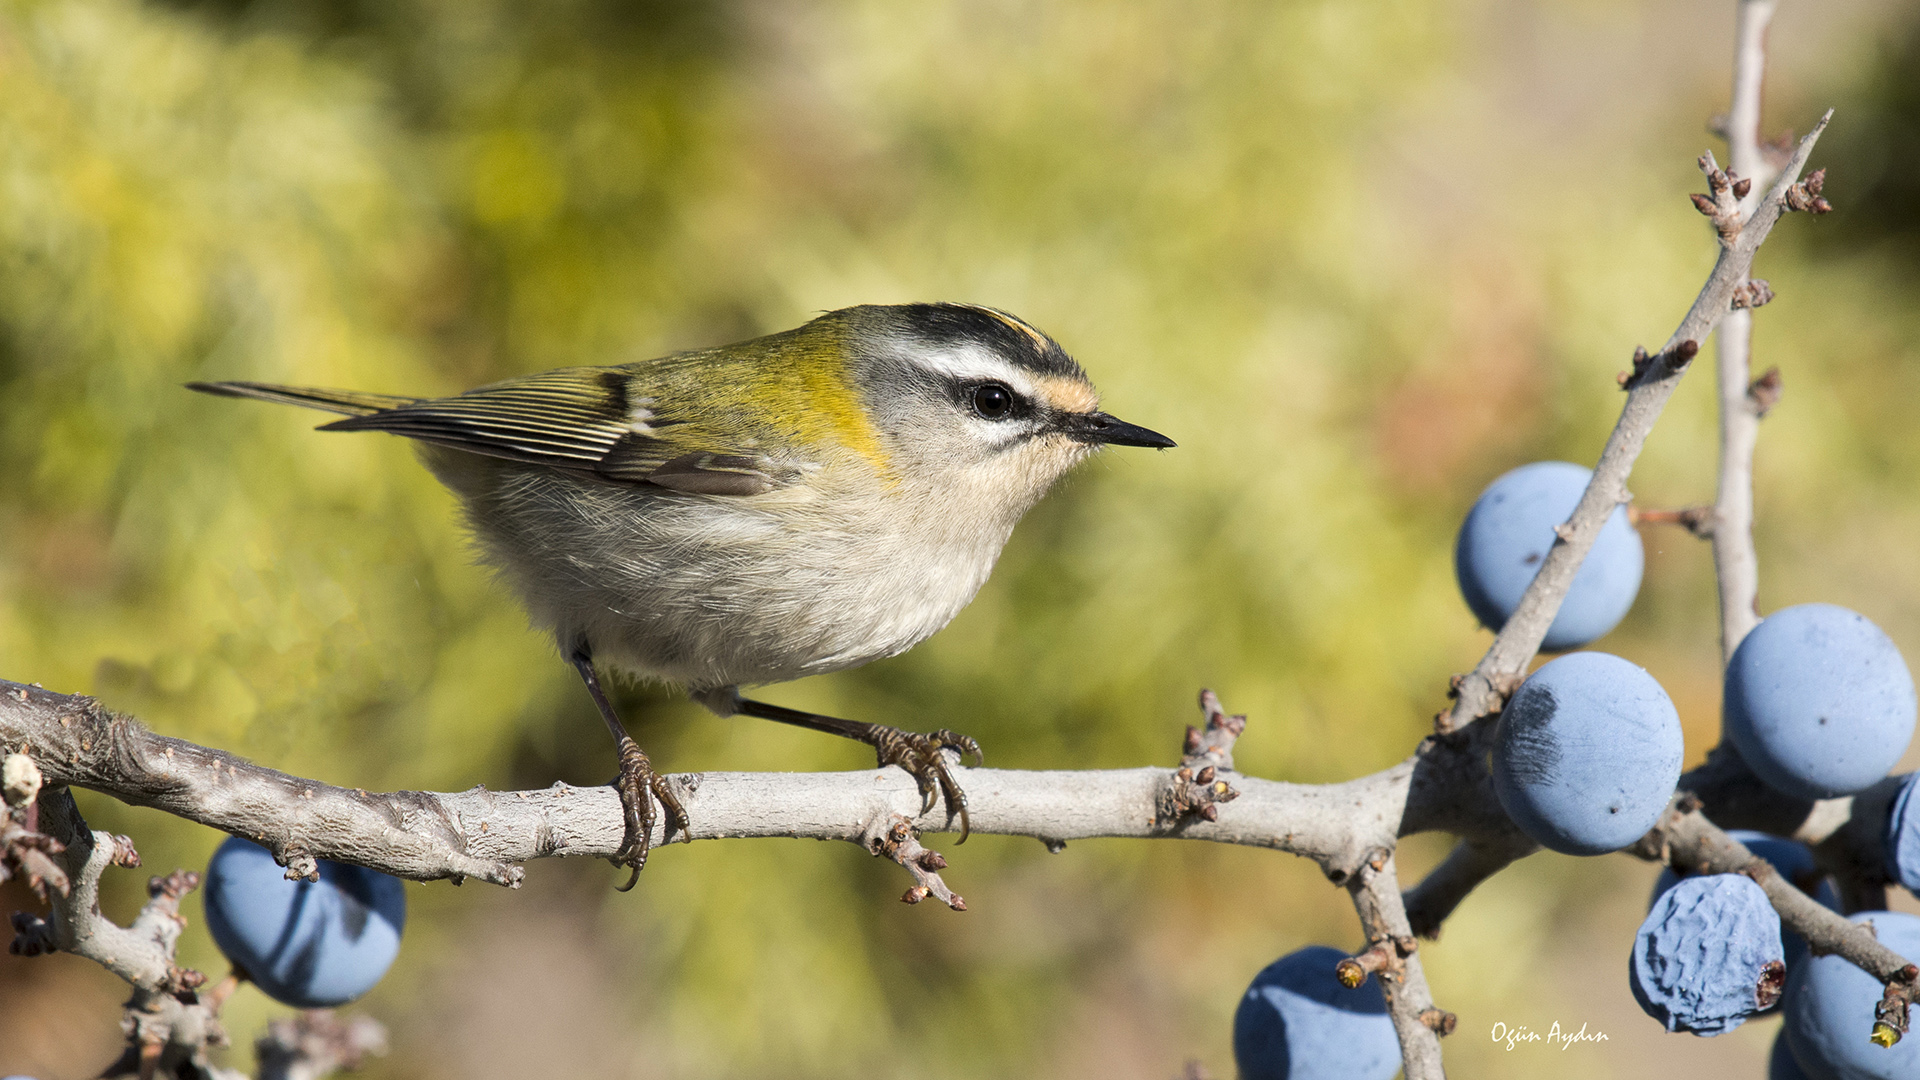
{"x":799,"y":503}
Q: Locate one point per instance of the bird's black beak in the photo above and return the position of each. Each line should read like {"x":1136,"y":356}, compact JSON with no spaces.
{"x":1101,"y":429}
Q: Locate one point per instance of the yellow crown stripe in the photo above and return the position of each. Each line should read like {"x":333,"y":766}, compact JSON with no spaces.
{"x":1040,"y":340}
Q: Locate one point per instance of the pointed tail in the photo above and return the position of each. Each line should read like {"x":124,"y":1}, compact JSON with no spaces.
{"x":349,"y":402}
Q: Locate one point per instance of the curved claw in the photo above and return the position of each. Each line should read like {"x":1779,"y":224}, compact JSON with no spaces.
{"x":920,"y":756}
{"x":638,"y":786}
{"x":956,"y":798}
{"x":967,"y":745}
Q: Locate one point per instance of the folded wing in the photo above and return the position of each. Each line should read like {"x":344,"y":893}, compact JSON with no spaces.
{"x":583,"y":418}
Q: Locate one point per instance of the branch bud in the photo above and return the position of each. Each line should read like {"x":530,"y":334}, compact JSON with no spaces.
{"x":1641,"y":361}
{"x":1717,"y":180}
{"x":1764,"y":393}
{"x":1805,"y":195}
{"x":1683,"y":354}
{"x":20,"y":780}
{"x":1753,"y":294}
{"x":1385,"y":955}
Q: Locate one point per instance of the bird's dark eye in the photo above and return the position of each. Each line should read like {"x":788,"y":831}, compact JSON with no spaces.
{"x":993,"y":400}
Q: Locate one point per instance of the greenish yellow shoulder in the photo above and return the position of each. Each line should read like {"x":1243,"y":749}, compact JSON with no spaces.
{"x":786,"y":391}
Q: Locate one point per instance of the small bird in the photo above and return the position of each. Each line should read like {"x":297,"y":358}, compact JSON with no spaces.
{"x":795,"y":504}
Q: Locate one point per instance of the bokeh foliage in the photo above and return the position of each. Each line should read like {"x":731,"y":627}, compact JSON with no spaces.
{"x":1355,"y":262}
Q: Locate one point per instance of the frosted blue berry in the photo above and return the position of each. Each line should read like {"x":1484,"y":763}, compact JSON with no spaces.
{"x":1830,"y":1011}
{"x":1903,"y":836}
{"x":1297,"y":1022}
{"x":1587,"y":753}
{"x":1708,"y":955}
{"x":1780,"y":1063}
{"x":1505,"y":539}
{"x":310,"y":944}
{"x":1794,"y":861}
{"x":1818,"y":701}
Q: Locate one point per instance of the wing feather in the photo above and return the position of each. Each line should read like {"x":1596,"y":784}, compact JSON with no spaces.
{"x":570,"y":418}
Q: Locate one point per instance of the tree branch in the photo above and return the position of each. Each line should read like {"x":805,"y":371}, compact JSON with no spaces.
{"x":1484,"y":690}
{"x":1686,"y":839}
{"x":1736,"y":567}
{"x":168,"y":1024}
{"x":486,"y":834}
{"x":317,"y":1043}
{"x":1845,"y":832}
{"x":1350,"y":829}
{"x":1472,"y":861}
{"x":1396,"y":962}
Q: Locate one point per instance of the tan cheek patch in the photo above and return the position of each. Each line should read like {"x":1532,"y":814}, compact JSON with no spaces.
{"x":1067,"y":395}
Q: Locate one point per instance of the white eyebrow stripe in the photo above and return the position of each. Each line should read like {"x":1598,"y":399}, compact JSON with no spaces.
{"x":975,"y":365}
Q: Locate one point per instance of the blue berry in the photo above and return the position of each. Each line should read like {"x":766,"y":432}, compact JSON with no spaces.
{"x":1830,"y":1011}
{"x":1903,"y":837}
{"x":1708,"y":955}
{"x":1587,"y":753}
{"x":1818,"y":701}
{"x":307,"y":944}
{"x":1794,"y":861}
{"x":1297,"y":1022}
{"x":1780,"y":1063}
{"x":1506,"y":537}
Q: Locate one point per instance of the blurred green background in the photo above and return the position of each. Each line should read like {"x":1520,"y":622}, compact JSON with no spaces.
{"x":1357,"y":256}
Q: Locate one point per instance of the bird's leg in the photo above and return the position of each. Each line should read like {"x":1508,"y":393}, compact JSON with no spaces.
{"x":636,"y":780}
{"x":917,"y":753}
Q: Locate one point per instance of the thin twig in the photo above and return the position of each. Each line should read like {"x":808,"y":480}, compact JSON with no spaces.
{"x":317,"y":1043}
{"x":1697,"y":520}
{"x":1471,"y":862}
{"x":1685,"y":838}
{"x":169,"y":1025}
{"x":1745,"y":157}
{"x":1419,"y":1025}
{"x":891,"y":836}
{"x":1736,"y":567}
{"x":170,"y":1022}
{"x":1483,"y":690}
{"x":1853,"y":855}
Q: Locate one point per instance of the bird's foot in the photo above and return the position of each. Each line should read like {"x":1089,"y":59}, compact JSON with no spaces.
{"x":920,"y":755}
{"x":638,"y":786}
